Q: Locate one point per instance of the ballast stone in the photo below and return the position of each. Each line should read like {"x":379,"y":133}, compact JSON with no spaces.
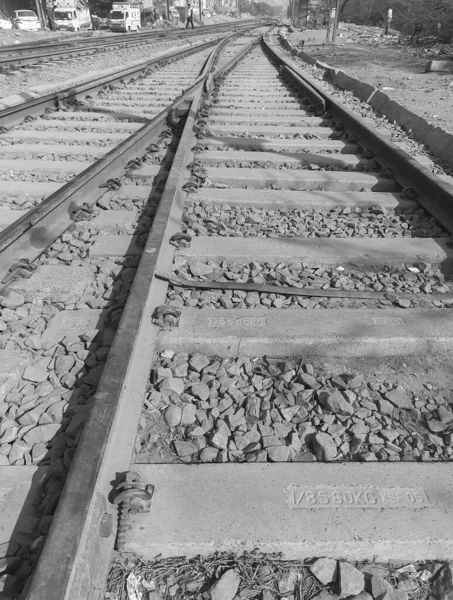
{"x":12,"y":366}
{"x":379,"y":587}
{"x":399,"y":399}
{"x":443,"y":584}
{"x":73,"y":322}
{"x":351,"y":580}
{"x":226,"y":587}
{"x":336,"y":403}
{"x":54,"y":280}
{"x":185,"y":448}
{"x":324,"y":447}
{"x":325,"y":570}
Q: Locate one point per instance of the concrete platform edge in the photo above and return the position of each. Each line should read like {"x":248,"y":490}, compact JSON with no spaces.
{"x":439,"y":141}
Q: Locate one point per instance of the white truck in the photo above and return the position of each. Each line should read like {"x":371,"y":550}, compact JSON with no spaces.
{"x":125,"y":16}
{"x":72,"y":15}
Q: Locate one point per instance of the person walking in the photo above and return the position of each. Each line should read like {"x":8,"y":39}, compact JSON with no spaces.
{"x":189,"y":16}
{"x":388,"y":20}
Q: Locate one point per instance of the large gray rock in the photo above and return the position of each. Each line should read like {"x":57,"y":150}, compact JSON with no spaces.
{"x":200,"y":391}
{"x":35,"y":374}
{"x":219,"y":440}
{"x":443,"y":584}
{"x":325,"y":570}
{"x":198,"y":362}
{"x":199,"y":268}
{"x":336,"y":403}
{"x":209,"y":454}
{"x":278,"y":453}
{"x":188,"y":414}
{"x":185,"y":448}
{"x":172,"y":416}
{"x":306,"y":432}
{"x":226,"y":587}
{"x":324,"y":447}
{"x":351,"y":580}
{"x":172,"y":384}
{"x":287,"y":582}
{"x":41,"y":433}
{"x":379,"y":587}
{"x":399,"y":399}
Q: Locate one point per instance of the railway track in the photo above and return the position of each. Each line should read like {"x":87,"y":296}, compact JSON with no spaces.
{"x":288,"y":314}
{"x":13,"y":57}
{"x":57,"y":134}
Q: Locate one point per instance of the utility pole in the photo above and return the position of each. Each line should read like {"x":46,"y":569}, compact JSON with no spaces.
{"x":329,"y":6}
{"x":199,"y":8}
{"x":335,"y":23}
{"x":40,"y":13}
{"x":293,"y":13}
{"x":168,"y":10}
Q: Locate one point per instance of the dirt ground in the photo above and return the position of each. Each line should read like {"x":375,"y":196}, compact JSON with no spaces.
{"x":398,"y":70}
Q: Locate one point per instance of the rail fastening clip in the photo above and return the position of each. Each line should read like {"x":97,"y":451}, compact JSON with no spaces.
{"x":134,"y":496}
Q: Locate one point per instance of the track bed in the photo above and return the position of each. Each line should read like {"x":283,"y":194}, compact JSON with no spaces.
{"x":280,"y":375}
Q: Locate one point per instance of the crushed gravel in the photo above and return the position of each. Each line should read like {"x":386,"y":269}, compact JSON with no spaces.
{"x":273,"y":409}
{"x":255,"y":575}
{"x":15,"y":82}
{"x":203,"y":218}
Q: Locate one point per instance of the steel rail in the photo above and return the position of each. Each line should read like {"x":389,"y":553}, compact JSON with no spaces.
{"x":9,"y":117}
{"x":88,"y":37}
{"x":56,"y":40}
{"x":435,"y":195}
{"x":74,"y":561}
{"x":104,"y":45}
{"x":31,"y":234}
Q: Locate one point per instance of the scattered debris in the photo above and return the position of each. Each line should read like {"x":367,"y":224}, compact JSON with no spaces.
{"x":257,"y":576}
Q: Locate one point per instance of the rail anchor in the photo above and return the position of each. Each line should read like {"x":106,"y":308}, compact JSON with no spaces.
{"x":166,"y":316}
{"x":82,"y":213}
{"x":24,"y":268}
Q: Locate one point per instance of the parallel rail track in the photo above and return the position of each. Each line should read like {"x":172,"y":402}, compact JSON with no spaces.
{"x":33,"y":54}
{"x":155,"y":123}
{"x":241,"y":261}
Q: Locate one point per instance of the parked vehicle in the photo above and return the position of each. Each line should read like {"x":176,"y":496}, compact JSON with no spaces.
{"x":5,"y":23}
{"x":72,"y":15}
{"x":103,"y":20}
{"x":125,"y":16}
{"x":26,"y":20}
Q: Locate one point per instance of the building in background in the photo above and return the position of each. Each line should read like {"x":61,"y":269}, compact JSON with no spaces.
{"x":308,"y":13}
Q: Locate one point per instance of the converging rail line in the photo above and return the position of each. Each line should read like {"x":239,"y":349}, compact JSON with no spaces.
{"x":246,"y":344}
{"x":33,"y":54}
